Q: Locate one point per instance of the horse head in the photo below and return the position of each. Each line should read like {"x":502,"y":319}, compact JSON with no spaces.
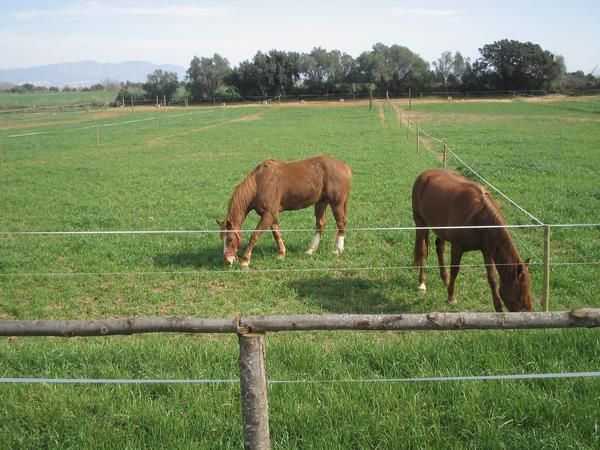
{"x":232,"y":241}
{"x":516,"y":294}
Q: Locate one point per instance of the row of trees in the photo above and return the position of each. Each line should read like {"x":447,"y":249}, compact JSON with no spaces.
{"x":503,"y":65}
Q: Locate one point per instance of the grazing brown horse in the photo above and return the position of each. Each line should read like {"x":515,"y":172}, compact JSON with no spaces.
{"x":276,"y":186}
{"x":442,"y":198}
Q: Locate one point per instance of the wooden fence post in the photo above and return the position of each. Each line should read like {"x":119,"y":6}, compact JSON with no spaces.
{"x":445,"y":155}
{"x":546,"y":286}
{"x":97,"y":136}
{"x":253,"y":386}
{"x":417,"y":137}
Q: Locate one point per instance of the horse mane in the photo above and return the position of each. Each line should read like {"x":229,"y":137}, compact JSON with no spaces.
{"x":245,"y":191}
{"x":497,"y":240}
{"x":242,"y":195}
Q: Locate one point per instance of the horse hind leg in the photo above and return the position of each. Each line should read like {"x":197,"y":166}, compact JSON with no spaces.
{"x":320,"y":220}
{"x":420,"y":254}
{"x":339,"y":213}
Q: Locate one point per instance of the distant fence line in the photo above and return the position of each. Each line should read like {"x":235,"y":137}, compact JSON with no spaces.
{"x":252,"y":331}
{"x":99,"y":126}
{"x":132,"y":101}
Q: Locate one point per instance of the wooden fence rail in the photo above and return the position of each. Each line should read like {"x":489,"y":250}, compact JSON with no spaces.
{"x":251,"y":332}
{"x":584,"y":317}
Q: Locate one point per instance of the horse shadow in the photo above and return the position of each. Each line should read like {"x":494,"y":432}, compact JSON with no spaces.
{"x":359,"y":295}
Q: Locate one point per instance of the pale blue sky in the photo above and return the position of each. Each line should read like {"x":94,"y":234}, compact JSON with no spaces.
{"x":35,"y":32}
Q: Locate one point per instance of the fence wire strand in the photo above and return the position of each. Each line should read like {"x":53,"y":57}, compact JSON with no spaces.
{"x":525,"y":376}
{"x":258,"y":271}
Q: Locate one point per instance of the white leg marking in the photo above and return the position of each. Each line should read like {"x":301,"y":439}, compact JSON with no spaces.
{"x":314,"y":245}
{"x":339,"y":245}
{"x":422,"y":288}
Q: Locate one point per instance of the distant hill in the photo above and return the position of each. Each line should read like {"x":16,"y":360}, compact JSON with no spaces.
{"x":85,"y":73}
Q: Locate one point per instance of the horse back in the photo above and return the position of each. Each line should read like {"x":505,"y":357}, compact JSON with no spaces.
{"x":299,"y":184}
{"x":443,"y":198}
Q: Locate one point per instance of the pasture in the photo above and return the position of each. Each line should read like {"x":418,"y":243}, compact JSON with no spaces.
{"x":43,"y":99}
{"x":175,"y":170}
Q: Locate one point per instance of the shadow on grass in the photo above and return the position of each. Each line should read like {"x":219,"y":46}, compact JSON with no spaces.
{"x":212,"y":258}
{"x":204,"y":258}
{"x":357,"y":295}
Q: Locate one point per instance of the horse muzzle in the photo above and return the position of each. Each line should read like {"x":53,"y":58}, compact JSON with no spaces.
{"x":229,"y":259}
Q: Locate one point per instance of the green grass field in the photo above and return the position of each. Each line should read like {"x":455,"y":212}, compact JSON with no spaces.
{"x":176,"y":169}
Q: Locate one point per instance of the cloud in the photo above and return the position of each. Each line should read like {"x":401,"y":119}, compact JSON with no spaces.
{"x":100,"y":10}
{"x":450,"y":13}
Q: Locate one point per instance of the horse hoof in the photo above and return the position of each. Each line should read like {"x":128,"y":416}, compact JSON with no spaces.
{"x":310,"y":251}
{"x":452,"y":302}
{"x":280,"y":257}
{"x":422,"y":288}
{"x":245,"y":265}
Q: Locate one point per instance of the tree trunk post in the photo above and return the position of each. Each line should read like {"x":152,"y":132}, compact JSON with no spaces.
{"x":253,"y":385}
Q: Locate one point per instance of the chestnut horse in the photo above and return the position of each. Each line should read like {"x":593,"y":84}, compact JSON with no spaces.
{"x":275,"y":186}
{"x":442,"y":198}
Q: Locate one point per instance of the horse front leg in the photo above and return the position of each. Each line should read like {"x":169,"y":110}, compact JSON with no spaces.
{"x":492,"y":281}
{"x":278,"y":240}
{"x":320,"y":220}
{"x":440,"y":245}
{"x":263,"y":224}
{"x":420,"y":254}
{"x":455,"y":256}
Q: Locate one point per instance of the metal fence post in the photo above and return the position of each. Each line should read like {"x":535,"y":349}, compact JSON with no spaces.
{"x":546,"y":286}
{"x":253,"y":385}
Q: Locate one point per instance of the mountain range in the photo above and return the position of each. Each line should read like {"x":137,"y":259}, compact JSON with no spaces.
{"x":86,"y":73}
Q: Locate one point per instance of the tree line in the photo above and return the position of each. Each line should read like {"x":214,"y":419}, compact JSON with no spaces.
{"x":505,"y":65}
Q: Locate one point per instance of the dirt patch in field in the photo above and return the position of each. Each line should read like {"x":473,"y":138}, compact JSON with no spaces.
{"x":160,"y":140}
{"x":382,"y":114}
{"x":248,"y":118}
